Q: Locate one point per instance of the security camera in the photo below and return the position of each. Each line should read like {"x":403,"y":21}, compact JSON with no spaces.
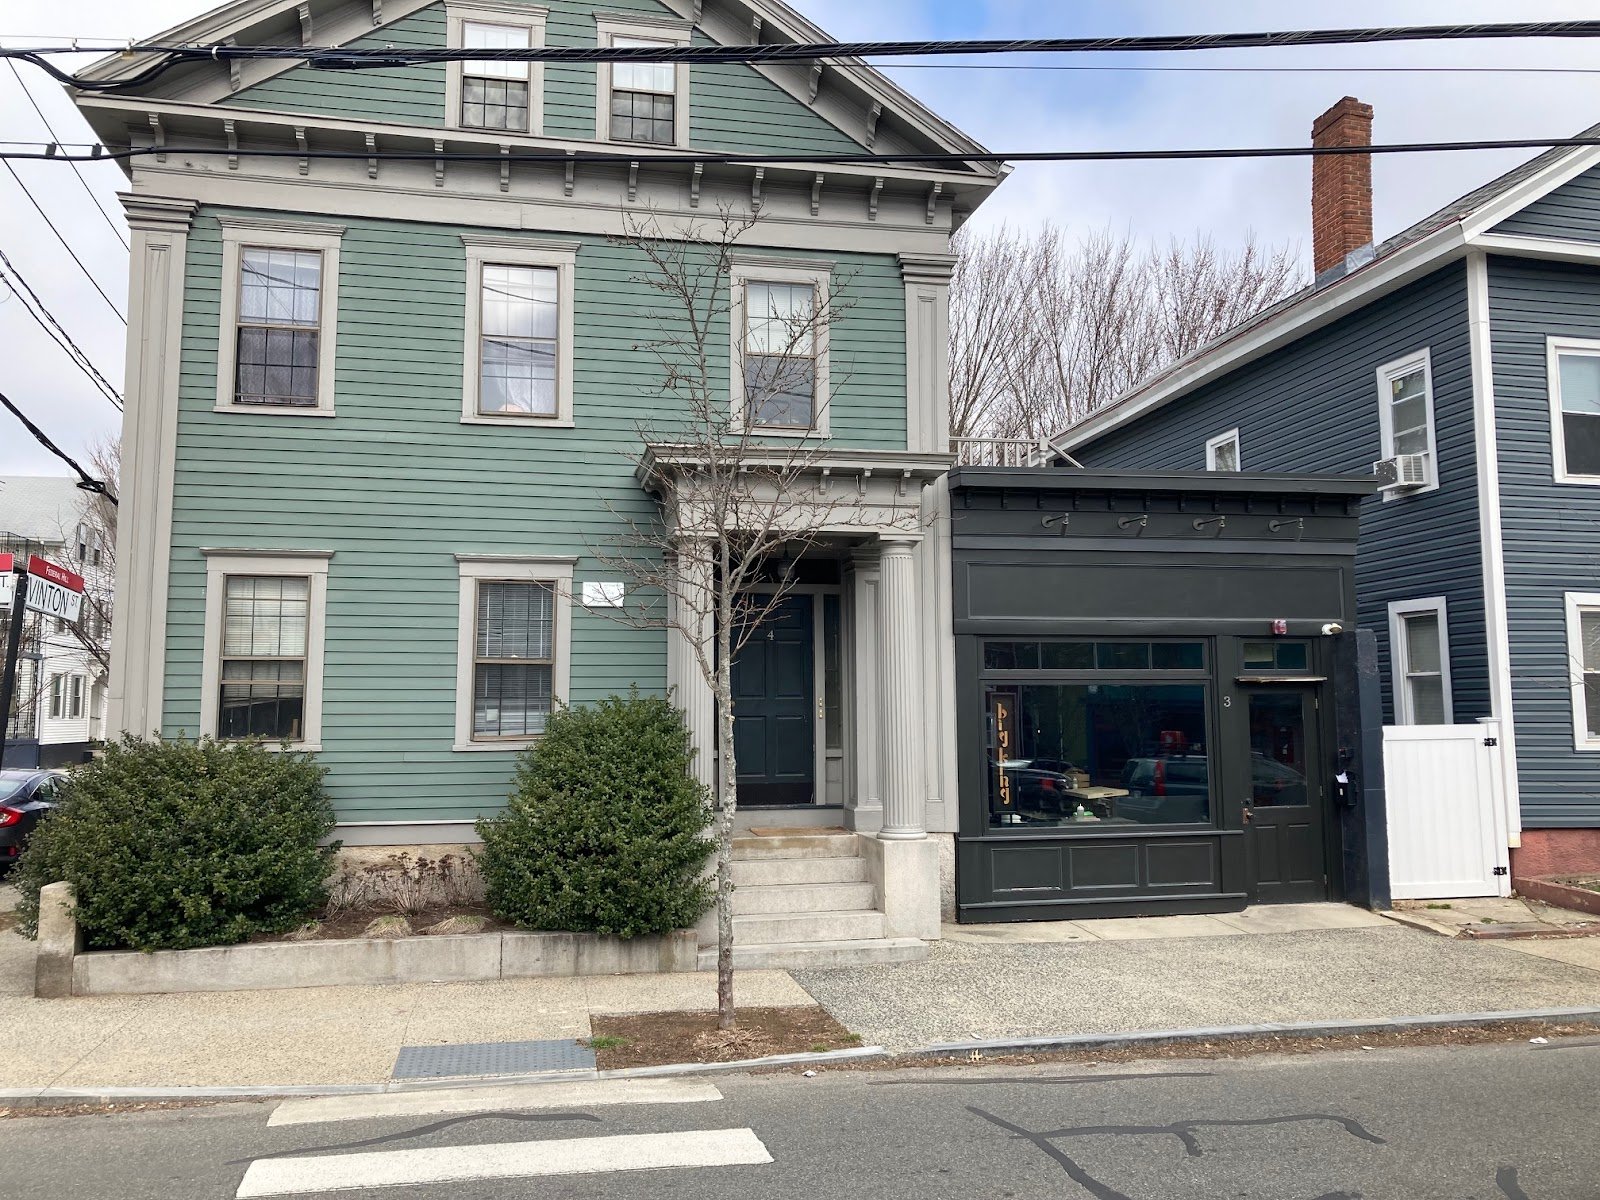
{"x":1332,"y":629}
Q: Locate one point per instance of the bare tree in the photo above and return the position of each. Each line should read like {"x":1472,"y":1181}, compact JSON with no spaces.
{"x":738,"y":506}
{"x":1045,"y":332}
{"x":92,"y":549}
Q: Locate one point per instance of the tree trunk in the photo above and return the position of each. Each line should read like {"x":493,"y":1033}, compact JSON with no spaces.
{"x":728,"y":779}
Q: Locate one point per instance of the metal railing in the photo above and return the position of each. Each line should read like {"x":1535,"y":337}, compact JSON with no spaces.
{"x":1000,"y":452}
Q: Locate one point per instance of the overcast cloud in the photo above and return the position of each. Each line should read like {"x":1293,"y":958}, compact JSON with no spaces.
{"x":1009,"y":110}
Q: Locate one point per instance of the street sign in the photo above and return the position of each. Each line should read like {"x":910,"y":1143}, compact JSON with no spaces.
{"x":53,"y":591}
{"x":8,"y":581}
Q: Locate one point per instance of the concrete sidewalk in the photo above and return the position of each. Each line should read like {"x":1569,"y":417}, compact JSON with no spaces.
{"x":332,"y":1035}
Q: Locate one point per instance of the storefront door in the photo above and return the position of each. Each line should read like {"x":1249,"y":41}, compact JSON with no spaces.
{"x":1285,"y":796}
{"x":774,"y":718}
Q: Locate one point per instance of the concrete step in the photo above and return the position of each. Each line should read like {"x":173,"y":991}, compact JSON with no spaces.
{"x":799,"y":956}
{"x":764,"y":928}
{"x":803,"y":898}
{"x":770,"y":872}
{"x":804,"y":845}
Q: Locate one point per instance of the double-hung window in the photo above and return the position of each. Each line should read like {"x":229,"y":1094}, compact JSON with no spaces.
{"x":638,"y":100}
{"x":644,"y":97}
{"x":1405,"y":418}
{"x":495,"y":93}
{"x":514,"y":644}
{"x":279,"y":316}
{"x":1575,"y":409}
{"x":57,"y":683}
{"x":262,"y":667}
{"x":1419,"y":655}
{"x":780,"y":348}
{"x":1222,"y":452}
{"x":520,"y":296}
{"x":1583,"y":651}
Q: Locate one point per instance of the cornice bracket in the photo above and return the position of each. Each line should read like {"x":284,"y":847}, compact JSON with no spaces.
{"x":877,"y":194}
{"x":505,"y":168}
{"x":756,"y":200}
{"x":438,"y":162}
{"x":633,"y":181}
{"x":305,"y":24}
{"x":304,"y":147}
{"x":572,"y":172}
{"x":816,"y":79}
{"x":699,"y":10}
{"x":695,"y":180}
{"x":755,"y":31}
{"x":933,"y":201}
{"x":234,"y":80}
{"x":873,"y":115}
{"x":372,"y":156}
{"x":232,"y":135}
{"x":377,"y":12}
{"x":816,"y":193}
{"x":159,"y":135}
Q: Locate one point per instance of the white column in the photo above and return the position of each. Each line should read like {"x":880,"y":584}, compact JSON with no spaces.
{"x":691,"y":616}
{"x":904,"y":815}
{"x":865,"y":747}
{"x":160,"y":229}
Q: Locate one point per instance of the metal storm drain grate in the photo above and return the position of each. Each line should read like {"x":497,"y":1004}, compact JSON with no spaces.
{"x":492,"y":1058}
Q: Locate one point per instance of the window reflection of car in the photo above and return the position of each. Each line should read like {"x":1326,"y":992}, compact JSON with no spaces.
{"x":1171,"y":790}
{"x":1038,"y":785}
{"x":1273,"y":783}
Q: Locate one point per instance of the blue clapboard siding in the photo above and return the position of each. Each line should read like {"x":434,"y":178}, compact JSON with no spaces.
{"x":1551,"y":532}
{"x":1313,"y":407}
{"x":1571,"y":211}
{"x":395,"y":485}
{"x":732,"y":108}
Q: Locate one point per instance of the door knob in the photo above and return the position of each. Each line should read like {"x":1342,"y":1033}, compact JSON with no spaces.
{"x":1249,"y":813}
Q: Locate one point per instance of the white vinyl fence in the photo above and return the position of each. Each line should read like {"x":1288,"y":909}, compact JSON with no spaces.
{"x":1448,"y":829}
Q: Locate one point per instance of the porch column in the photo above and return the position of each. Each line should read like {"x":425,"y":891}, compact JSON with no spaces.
{"x":691,"y":607}
{"x":904,"y":815}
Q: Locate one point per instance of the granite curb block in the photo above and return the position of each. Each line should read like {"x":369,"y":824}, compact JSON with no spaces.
{"x":1560,"y":895}
{"x":1160,"y":1037}
{"x":93,"y":1097}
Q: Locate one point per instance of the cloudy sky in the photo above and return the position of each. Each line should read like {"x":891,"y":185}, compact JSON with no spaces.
{"x":1009,"y":110}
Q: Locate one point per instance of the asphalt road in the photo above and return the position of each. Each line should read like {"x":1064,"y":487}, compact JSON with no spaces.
{"x":1504,"y":1122}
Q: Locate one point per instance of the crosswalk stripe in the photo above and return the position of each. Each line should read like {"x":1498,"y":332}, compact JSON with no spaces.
{"x":511,"y":1160}
{"x":531,"y":1097}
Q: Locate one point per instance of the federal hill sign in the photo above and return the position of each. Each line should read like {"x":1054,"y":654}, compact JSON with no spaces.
{"x":53,"y":591}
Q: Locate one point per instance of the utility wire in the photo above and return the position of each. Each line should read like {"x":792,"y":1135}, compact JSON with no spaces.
{"x":1135,"y":67}
{"x":56,"y":330}
{"x":356,"y":58}
{"x":52,"y":153}
{"x":86,"y":481}
{"x":60,"y":238}
{"x":81,"y":177}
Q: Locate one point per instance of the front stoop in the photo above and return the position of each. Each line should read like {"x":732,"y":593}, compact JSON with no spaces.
{"x":808,"y":900}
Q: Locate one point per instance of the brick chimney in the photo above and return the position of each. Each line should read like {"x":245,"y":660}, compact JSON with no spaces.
{"x":1341,"y":185}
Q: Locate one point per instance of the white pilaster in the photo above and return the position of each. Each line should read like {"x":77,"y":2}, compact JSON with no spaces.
{"x":691,"y":617}
{"x":160,"y":228}
{"x":865,"y":747}
{"x":899,"y":624}
{"x":927,"y":283}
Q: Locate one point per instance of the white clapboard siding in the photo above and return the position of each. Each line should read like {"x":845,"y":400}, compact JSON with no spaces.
{"x":1448,"y":832}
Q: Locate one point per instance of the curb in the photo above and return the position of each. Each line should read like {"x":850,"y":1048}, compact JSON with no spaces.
{"x":93,"y":1097}
{"x":1296,"y":1029}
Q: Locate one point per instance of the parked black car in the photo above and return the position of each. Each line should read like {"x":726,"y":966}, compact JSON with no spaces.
{"x":26,"y":798}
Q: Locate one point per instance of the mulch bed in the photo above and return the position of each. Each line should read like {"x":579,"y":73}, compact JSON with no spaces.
{"x":353,"y":923}
{"x":657,"y":1039}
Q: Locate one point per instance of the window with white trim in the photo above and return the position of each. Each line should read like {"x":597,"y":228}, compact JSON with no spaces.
{"x":495,"y":94}
{"x":1419,"y":654}
{"x":642,"y":101}
{"x":1222,"y":452}
{"x":1574,"y":366}
{"x":56,"y":687}
{"x":520,"y":329}
{"x":75,"y":698}
{"x":780,"y":347}
{"x":514,"y":648}
{"x":280,"y":303}
{"x":266,"y":614}
{"x":1405,"y":416}
{"x":1583,"y":652}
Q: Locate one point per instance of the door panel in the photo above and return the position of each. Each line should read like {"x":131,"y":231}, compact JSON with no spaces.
{"x":773,"y":708}
{"x":1284,"y":805}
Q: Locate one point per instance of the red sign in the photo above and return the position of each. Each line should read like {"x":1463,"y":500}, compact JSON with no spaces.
{"x":40,"y":569}
{"x":8,"y":563}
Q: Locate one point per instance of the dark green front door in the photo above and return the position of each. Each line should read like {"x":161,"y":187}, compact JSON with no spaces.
{"x":1284,"y":808}
{"x":774,"y":701}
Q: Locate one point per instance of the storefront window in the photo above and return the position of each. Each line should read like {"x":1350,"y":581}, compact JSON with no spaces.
{"x":1095,"y":756}
{"x":1094,"y":656}
{"x":1276,"y":656}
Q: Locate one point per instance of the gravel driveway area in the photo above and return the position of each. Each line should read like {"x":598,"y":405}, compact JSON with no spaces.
{"x":966,"y":991}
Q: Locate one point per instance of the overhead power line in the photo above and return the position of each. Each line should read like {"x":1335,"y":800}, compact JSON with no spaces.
{"x":55,"y":153}
{"x":86,"y":481}
{"x":65,"y":244}
{"x":357,"y":58}
{"x":35,"y":308}
{"x":48,"y":128}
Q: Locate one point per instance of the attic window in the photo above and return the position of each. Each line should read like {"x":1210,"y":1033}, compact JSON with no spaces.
{"x":494,"y":92}
{"x":642,"y":102}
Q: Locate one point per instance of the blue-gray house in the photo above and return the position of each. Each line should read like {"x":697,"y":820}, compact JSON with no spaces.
{"x":1460,"y":361}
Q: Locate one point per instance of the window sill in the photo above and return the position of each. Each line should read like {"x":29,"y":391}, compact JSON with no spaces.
{"x":290,"y":748}
{"x":522,"y":422}
{"x":273,"y":410}
{"x":492,"y":747}
{"x":1580,"y":481}
{"x":762,"y":431}
{"x":1408,"y":493}
{"x":1589,"y":747}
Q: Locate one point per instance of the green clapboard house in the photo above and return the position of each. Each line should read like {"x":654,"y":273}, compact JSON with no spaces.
{"x":385,"y":393}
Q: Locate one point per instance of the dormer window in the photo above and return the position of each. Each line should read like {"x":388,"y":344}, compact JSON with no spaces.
{"x":503,"y":94}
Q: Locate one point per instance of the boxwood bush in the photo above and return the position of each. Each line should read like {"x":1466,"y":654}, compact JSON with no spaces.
{"x":606,"y":829}
{"x":171,"y":845}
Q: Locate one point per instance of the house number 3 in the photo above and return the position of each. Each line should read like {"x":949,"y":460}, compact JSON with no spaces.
{"x":1227,"y":702}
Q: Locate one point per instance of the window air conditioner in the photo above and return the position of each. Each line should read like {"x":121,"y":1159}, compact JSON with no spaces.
{"x":1402,"y":472}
